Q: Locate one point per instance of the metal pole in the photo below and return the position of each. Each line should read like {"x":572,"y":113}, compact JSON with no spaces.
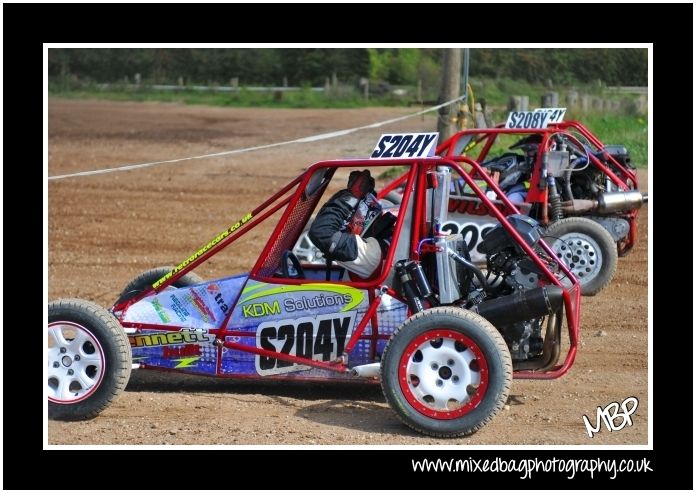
{"x":451,"y":70}
{"x":465,"y":76}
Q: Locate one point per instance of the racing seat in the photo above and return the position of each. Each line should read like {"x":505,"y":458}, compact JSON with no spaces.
{"x":290,"y":266}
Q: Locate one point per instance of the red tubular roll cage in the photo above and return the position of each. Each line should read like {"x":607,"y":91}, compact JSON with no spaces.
{"x":293,"y":194}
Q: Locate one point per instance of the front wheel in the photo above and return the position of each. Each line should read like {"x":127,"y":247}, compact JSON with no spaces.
{"x":89,"y":359}
{"x":587,"y":249}
{"x":446,"y":372}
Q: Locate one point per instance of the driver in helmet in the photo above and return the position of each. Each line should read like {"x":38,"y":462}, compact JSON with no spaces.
{"x":515,"y":170}
{"x":342,"y":229}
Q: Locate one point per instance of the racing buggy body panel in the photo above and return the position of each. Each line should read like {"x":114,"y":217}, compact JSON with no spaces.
{"x":313,"y":320}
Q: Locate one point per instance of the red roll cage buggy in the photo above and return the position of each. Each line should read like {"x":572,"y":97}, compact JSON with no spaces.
{"x":445,"y":370}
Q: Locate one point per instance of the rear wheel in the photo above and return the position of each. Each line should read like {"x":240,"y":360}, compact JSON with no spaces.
{"x":149,"y":277}
{"x":446,"y":372}
{"x":587,"y":249}
{"x":89,"y":359}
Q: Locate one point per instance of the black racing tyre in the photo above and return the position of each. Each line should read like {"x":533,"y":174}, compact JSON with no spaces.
{"x":89,"y":359}
{"x":446,"y":372}
{"x":587,"y":248}
{"x":147,"y":278}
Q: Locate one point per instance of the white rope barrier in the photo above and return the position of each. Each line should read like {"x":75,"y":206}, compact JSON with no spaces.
{"x":311,"y":138}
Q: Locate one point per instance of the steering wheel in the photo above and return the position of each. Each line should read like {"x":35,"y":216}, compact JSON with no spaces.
{"x":299,"y":271}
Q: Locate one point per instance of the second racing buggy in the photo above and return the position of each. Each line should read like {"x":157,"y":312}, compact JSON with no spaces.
{"x":584,"y":193}
{"x":444,"y":337}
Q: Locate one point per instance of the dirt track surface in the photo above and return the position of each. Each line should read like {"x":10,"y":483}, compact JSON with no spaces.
{"x":103,"y":230}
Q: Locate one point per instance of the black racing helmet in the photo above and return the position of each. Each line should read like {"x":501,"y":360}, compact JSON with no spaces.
{"x":529,"y":144}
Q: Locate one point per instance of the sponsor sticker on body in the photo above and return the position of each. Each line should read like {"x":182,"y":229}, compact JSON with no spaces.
{"x":472,"y":218}
{"x":184,"y":336}
{"x":202,"y":306}
{"x":205,"y":248}
{"x":313,"y":321}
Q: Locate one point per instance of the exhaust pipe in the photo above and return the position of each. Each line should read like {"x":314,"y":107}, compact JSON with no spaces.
{"x":369,"y":370}
{"x":578,"y":206}
{"x":611,"y":202}
{"x":521,"y":305}
{"x":606,"y":203}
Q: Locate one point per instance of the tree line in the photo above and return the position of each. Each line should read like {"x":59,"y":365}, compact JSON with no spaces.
{"x":311,"y":66}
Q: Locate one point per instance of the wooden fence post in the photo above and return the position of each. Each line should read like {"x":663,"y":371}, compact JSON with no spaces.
{"x":518,"y":103}
{"x":524,"y":103}
{"x":549,"y":100}
{"x":449,"y":89}
{"x":572,"y":99}
{"x":514,"y":103}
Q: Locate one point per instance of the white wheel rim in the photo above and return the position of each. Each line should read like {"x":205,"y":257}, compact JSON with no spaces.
{"x":443,"y":375}
{"x":581,"y":254}
{"x":75,"y":363}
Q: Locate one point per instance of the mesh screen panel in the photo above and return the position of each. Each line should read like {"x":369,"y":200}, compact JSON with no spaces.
{"x":290,"y":231}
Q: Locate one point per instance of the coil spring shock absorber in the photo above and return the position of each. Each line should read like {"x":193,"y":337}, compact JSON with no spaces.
{"x":555,"y":207}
